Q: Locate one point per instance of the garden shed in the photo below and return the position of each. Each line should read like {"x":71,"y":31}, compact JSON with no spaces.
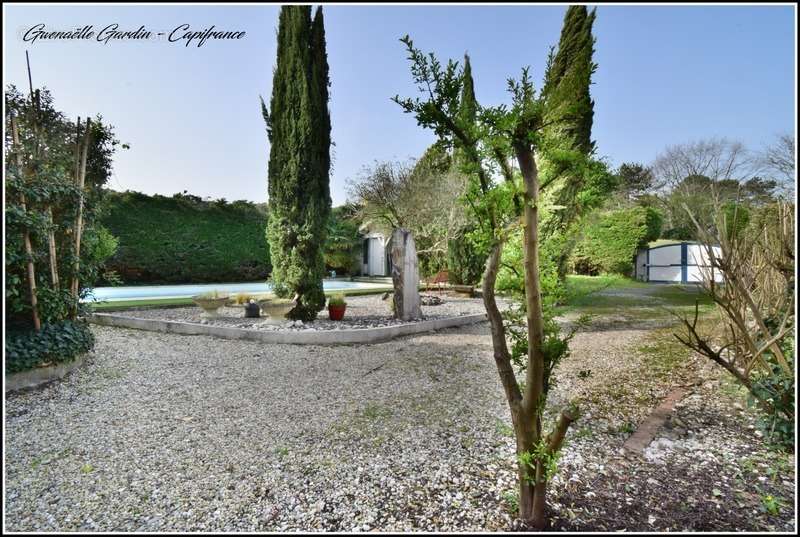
{"x":675,"y":262}
{"x":375,"y":254}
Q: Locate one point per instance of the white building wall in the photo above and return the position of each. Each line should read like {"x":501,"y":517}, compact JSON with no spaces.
{"x":376,"y":256}
{"x":667,"y":264}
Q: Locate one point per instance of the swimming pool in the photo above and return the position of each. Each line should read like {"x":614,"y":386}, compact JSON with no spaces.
{"x":141,"y":292}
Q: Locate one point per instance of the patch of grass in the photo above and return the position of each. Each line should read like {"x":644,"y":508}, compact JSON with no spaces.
{"x":613,"y":295}
{"x":467,"y":443}
{"x":663,"y":353}
{"x":584,"y":432}
{"x":511,"y":501}
{"x":375,"y":411}
{"x":503,"y":429}
{"x":50,"y":457}
{"x":618,"y":392}
{"x":627,"y":428}
{"x":87,"y":468}
{"x":281,"y":451}
{"x":731,"y":389}
{"x":580,"y":288}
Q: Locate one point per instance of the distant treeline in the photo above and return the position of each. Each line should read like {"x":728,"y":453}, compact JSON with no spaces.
{"x":185,"y":239}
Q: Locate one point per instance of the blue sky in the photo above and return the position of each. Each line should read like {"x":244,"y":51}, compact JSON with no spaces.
{"x":667,"y":74}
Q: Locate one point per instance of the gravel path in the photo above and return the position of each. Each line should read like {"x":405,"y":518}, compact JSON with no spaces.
{"x":367,"y":311}
{"x":167,"y":432}
{"x":164,"y":432}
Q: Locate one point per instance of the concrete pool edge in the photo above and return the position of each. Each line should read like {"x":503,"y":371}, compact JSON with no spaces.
{"x":302,"y":337}
{"x":171,"y":302}
{"x":187,"y":291}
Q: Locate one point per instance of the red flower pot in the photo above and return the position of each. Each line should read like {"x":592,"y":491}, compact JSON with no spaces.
{"x":336,"y":313}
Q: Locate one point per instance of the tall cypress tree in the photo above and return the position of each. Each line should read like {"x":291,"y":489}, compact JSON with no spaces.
{"x":569,"y":105}
{"x":468,"y":104}
{"x":465,"y":257}
{"x":569,"y":112}
{"x":298,"y":126}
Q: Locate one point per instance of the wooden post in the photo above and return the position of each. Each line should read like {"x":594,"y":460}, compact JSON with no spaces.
{"x":26,"y":237}
{"x":51,"y":237}
{"x":51,"y":241}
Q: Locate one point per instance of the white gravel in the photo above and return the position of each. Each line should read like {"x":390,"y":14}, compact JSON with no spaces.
{"x":162,"y":432}
{"x":367,"y":311}
{"x":178,"y":433}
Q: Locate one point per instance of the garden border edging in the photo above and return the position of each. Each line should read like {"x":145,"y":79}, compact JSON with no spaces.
{"x":302,"y":337}
{"x":38,"y":376}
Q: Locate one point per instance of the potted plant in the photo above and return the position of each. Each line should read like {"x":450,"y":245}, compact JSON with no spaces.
{"x":252,"y":310}
{"x":468,"y":290}
{"x":242,"y":299}
{"x":210,"y":303}
{"x":336,"y":307}
{"x":276,"y":308}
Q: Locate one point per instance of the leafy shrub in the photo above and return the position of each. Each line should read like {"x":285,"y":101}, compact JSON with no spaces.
{"x":777,"y":387}
{"x":184,"y":239}
{"x":465,"y":258}
{"x":735,"y":219}
{"x":42,"y":201}
{"x":55,"y":343}
{"x":343,"y":242}
{"x":609,"y":243}
{"x":511,"y":276}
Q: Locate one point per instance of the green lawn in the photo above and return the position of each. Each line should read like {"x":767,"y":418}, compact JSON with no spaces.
{"x":612,"y":294}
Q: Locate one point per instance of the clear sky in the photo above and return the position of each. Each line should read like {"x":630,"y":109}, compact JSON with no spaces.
{"x":667,"y":74}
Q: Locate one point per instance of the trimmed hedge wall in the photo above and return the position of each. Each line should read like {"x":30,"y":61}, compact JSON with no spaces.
{"x":184,"y":239}
{"x":609,"y":244}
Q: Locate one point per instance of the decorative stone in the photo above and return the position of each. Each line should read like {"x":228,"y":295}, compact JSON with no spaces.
{"x":405,"y":276}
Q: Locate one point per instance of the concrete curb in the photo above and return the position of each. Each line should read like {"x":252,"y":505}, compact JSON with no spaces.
{"x":38,"y":376}
{"x":303,"y":337}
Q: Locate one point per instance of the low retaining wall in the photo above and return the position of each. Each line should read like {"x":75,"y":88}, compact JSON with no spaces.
{"x":301,"y":337}
{"x":38,"y":376}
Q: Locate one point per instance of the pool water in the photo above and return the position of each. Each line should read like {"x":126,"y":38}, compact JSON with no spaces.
{"x":141,"y":292}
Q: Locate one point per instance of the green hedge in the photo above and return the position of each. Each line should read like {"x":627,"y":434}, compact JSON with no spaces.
{"x":609,"y":243}
{"x":185,"y":239}
{"x":55,"y":343}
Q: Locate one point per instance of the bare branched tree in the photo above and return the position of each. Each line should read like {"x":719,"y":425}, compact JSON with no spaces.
{"x":716,"y":158}
{"x":703,"y":174}
{"x":420,"y":198}
{"x":750,"y":275}
{"x":779,"y":159}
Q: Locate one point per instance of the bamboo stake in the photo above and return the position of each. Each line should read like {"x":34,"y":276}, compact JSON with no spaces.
{"x":51,"y":240}
{"x":51,"y":237}
{"x":81,"y":180}
{"x":26,"y":237}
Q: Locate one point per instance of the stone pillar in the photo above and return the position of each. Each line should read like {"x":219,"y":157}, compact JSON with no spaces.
{"x":405,"y":276}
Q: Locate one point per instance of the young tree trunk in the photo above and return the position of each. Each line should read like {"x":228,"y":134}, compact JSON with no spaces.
{"x":502,"y":356}
{"x":26,"y":237}
{"x":532,"y":497}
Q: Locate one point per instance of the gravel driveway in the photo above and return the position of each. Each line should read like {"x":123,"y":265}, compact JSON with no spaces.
{"x":163,"y":432}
